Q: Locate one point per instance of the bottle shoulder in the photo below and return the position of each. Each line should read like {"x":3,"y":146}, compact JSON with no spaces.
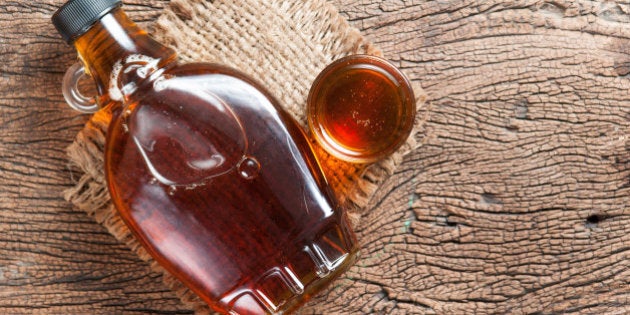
{"x":204,"y":70}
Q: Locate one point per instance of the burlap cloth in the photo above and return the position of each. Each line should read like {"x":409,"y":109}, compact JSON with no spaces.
{"x":282,"y":43}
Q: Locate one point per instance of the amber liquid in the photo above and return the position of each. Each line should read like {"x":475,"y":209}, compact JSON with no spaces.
{"x":361,"y":109}
{"x":221,"y":186}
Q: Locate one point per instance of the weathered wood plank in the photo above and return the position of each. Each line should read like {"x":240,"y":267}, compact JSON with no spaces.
{"x":517,"y":201}
{"x":54,"y":260}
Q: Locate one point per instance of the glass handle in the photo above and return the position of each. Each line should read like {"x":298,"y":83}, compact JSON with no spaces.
{"x":70,"y":89}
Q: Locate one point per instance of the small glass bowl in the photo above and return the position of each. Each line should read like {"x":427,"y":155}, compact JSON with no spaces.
{"x":361,"y":108}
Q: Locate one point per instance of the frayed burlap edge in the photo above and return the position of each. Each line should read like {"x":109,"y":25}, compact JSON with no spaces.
{"x":286,"y":43}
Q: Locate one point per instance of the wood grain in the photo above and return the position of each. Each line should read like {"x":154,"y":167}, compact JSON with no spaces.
{"x":517,"y":202}
{"x":53,"y":259}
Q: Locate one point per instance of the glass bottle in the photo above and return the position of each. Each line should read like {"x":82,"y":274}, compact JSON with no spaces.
{"x":216,"y":181}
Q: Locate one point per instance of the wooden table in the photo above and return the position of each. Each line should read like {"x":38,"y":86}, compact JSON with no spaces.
{"x":517,"y":201}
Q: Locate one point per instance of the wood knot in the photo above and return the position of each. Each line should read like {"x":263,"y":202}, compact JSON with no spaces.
{"x":593,"y":220}
{"x":444,"y":221}
{"x":553,"y":9}
{"x":521,"y":109}
{"x":490,"y":199}
{"x":622,"y":68}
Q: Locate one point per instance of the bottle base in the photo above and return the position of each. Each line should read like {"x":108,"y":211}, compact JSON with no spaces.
{"x":284,"y":288}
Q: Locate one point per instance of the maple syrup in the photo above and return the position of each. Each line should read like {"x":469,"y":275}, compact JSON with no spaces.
{"x":361,"y":108}
{"x":216,"y":181}
{"x":233,"y":199}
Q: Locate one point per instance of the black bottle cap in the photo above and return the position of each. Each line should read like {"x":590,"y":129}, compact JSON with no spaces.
{"x":76,"y":16}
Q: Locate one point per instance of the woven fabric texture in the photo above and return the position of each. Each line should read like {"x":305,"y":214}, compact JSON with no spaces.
{"x":283,"y":44}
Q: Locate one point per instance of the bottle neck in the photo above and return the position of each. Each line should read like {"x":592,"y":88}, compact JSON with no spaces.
{"x":108,"y":42}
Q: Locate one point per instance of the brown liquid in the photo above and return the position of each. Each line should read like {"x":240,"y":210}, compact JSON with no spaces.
{"x":361,"y":108}
{"x":220,"y":185}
